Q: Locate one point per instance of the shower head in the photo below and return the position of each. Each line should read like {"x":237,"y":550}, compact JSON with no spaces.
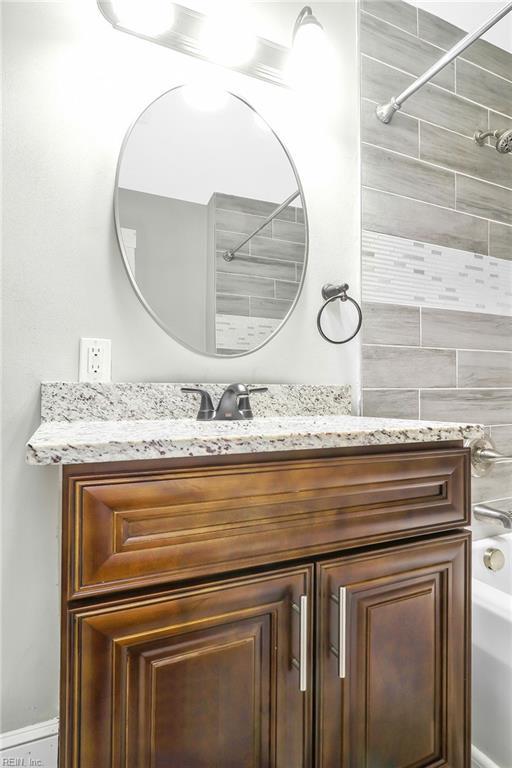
{"x":503,"y":139}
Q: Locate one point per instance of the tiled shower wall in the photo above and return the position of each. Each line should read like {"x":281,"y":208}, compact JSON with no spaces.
{"x":437,"y":239}
{"x":256,"y":290}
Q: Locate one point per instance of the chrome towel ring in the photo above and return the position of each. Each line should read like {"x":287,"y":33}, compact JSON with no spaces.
{"x":331,"y":292}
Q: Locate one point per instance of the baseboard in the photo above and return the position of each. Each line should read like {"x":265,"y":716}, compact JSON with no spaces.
{"x":39,"y":743}
{"x":29,"y":734}
{"x":479,"y":760}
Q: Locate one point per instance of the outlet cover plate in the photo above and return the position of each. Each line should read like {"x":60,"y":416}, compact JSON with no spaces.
{"x":95,"y":360}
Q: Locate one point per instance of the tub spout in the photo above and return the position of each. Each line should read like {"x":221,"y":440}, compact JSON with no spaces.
{"x":486,"y":514}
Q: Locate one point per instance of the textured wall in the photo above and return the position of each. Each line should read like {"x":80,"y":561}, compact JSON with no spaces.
{"x":437,"y":240}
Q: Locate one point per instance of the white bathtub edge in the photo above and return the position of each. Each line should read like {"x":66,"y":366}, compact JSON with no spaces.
{"x":479,"y":760}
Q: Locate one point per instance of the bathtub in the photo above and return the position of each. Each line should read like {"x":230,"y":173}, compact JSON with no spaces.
{"x":492,"y":657}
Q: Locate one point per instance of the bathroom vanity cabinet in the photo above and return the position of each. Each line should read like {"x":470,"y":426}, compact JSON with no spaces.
{"x":283,"y":610}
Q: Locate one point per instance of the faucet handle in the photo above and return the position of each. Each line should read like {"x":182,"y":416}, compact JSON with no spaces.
{"x":244,"y":404}
{"x":206,"y":409}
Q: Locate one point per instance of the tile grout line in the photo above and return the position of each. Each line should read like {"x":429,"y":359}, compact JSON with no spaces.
{"x":429,"y":163}
{"x":440,"y":87}
{"x":442,"y":207}
{"x":434,"y":45}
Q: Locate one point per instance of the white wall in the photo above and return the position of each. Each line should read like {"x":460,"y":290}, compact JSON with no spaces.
{"x":72,"y":85}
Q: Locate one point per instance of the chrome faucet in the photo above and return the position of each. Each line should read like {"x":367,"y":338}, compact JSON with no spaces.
{"x":234,"y":405}
{"x":486,"y":514}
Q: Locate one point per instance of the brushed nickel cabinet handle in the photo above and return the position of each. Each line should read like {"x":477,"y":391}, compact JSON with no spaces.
{"x":341,"y":651}
{"x":302,"y":663}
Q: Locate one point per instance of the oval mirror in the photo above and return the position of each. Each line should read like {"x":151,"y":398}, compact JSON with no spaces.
{"x":211,"y":221}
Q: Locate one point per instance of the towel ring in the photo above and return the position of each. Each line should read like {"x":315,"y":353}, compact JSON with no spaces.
{"x":330,"y":293}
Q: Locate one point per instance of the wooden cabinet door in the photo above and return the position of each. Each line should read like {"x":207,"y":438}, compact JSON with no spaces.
{"x":199,"y":678}
{"x":405,"y":639}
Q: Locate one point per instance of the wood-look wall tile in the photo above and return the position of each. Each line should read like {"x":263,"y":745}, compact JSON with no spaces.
{"x":391,"y":324}
{"x":242,"y":285}
{"x":400,"y":49}
{"x":391,"y":403}
{"x":275,"y":308}
{"x":379,"y":82}
{"x":484,"y":199}
{"x":462,"y":154}
{"x":439,"y":32}
{"x":416,"y":220}
{"x":402,"y":134}
{"x":226,"y":240}
{"x":484,"y":87}
{"x":408,"y":367}
{"x":485,"y":369}
{"x":390,"y":172}
{"x":232,"y":305}
{"x":268,"y":248}
{"x":396,"y":12}
{"x":254,"y":266}
{"x":498,"y":121}
{"x":502,"y":437}
{"x":252,"y":206}
{"x":496,"y":485}
{"x":476,"y":406}
{"x":465,"y":330}
{"x":244,"y":223}
{"x":500,"y":241}
{"x":287,"y":230}
{"x":286,"y":290}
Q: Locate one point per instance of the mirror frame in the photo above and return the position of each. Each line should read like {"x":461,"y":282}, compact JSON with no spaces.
{"x":131,"y":276}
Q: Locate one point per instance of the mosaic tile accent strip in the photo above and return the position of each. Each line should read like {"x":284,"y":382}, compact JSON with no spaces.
{"x":401,"y":271}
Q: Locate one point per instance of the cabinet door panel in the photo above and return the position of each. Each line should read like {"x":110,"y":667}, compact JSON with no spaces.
{"x":200,"y":678}
{"x":403,"y":702}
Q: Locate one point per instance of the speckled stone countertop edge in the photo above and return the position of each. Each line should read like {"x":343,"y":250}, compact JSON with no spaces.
{"x":101,"y":441}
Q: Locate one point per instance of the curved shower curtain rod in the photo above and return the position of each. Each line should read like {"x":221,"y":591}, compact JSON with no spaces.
{"x":386,"y":111}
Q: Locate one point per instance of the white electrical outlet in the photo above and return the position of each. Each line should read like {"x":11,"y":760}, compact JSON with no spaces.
{"x":95,"y":360}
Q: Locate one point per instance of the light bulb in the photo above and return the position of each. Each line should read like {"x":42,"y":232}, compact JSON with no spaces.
{"x":311,"y":65}
{"x":148,"y":17}
{"x":310,"y":59}
{"x":204,"y":95}
{"x":227,"y":37}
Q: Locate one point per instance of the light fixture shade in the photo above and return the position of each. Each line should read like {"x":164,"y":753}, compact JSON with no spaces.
{"x":147,"y":17}
{"x":228,"y":36}
{"x":305,"y":19}
{"x":309,"y":64}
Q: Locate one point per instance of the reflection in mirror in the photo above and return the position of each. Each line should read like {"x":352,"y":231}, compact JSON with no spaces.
{"x":211,"y":221}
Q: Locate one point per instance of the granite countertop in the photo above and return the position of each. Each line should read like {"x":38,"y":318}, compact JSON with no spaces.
{"x":77,"y":442}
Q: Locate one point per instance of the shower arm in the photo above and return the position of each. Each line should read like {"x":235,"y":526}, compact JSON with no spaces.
{"x":230,"y":254}
{"x":385,"y":112}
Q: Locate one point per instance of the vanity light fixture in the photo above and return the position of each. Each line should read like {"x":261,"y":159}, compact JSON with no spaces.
{"x":149,"y":18}
{"x":308,"y":60}
{"x":224,"y":35}
{"x":227,"y":36}
{"x":307,"y":23}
